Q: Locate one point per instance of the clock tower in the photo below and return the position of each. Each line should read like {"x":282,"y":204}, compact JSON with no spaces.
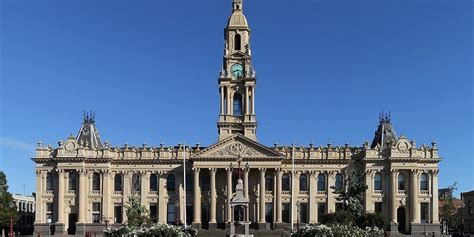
{"x":237,"y":79}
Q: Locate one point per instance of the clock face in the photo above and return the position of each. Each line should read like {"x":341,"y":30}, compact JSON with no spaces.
{"x":237,"y":70}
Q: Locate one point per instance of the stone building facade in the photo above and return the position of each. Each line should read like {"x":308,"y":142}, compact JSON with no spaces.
{"x":25,"y":205}
{"x":84,"y":183}
{"x":467,"y":212}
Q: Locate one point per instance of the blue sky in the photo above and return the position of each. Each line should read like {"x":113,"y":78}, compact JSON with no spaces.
{"x":148,"y":68}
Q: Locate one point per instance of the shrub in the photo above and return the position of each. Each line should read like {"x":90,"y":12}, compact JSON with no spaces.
{"x":370,"y":219}
{"x":340,"y":217}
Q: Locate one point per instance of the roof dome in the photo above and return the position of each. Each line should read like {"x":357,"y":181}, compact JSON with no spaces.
{"x":237,"y":19}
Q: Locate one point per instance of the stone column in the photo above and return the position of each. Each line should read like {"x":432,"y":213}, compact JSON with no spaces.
{"x":82,"y":197}
{"x":393,"y":186}
{"x":144,"y":181}
{"x":221,"y":92}
{"x":278,"y":195}
{"x":107,"y":208}
{"x":368,"y":205}
{"x":161,"y":198}
{"x":331,"y":199}
{"x":253,"y":99}
{"x":229,"y":194}
{"x":434,"y":192}
{"x":262,"y":221}
{"x":247,"y":111}
{"x":39,"y":213}
{"x":313,"y":210}
{"x":60,"y":194}
{"x":246,"y":183}
{"x":212,"y":221}
{"x":415,"y":207}
{"x":126,"y":193}
{"x":296,"y":190}
{"x":229,"y":109}
{"x":197,"y":199}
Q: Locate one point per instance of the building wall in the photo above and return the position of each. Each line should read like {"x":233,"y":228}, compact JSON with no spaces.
{"x":468,"y":212}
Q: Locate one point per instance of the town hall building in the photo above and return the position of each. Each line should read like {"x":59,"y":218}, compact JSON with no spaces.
{"x":83,"y":184}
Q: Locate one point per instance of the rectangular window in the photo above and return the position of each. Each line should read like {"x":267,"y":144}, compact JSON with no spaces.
{"x":154,"y":212}
{"x":286,"y":212}
{"x":321,"y":210}
{"x":49,"y":182}
{"x":96,"y":212}
{"x":378,"y":207}
{"x":424,"y":211}
{"x":118,"y":183}
{"x":49,"y":212}
{"x":304,"y":213}
{"x":72,"y":181}
{"x":118,"y":213}
{"x":170,"y":213}
{"x":269,"y":212}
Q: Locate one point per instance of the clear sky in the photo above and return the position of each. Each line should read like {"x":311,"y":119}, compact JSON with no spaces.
{"x":148,"y":69}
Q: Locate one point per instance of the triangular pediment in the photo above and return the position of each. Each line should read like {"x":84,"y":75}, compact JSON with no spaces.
{"x":238,"y":146}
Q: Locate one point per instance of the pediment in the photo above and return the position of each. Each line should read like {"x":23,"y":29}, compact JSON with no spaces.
{"x":238,"y":146}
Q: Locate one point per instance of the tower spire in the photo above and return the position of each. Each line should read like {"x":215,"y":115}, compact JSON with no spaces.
{"x":237,"y":79}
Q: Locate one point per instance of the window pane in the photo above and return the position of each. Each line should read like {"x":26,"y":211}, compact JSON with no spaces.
{"x":286,"y":212}
{"x":118,"y":214}
{"x":321,"y":210}
{"x":321,"y":182}
{"x":268,"y":183}
{"x":96,"y":182}
{"x":171,"y":218}
{"x":154,"y":212}
{"x":118,"y":183}
{"x":72,"y":181}
{"x":170,"y":183}
{"x":286,"y":182}
{"x":378,"y":182}
{"x":153,"y":182}
{"x":303,"y":183}
{"x":49,"y":182}
{"x":136,"y":182}
{"x":237,"y":105}
{"x":401,"y":182}
{"x":339,"y":182}
{"x":269,"y":212}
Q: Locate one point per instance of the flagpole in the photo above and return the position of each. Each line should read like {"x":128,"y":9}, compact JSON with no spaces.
{"x":292,"y":184}
{"x":184,"y":183}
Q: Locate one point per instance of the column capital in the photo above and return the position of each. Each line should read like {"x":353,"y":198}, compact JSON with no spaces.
{"x":196,"y":170}
{"x":435,"y":173}
{"x":278,"y":170}
{"x":212,"y":170}
{"x":228,"y":169}
{"x":262,"y":169}
{"x":313,"y":173}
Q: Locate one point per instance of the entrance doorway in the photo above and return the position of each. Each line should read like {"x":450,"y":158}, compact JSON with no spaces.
{"x":401,"y":219}
{"x":71,"y":230}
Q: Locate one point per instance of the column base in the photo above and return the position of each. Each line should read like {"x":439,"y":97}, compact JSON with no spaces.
{"x":196,"y":225}
{"x":212,"y":225}
{"x":393,"y":227}
{"x":262,"y":226}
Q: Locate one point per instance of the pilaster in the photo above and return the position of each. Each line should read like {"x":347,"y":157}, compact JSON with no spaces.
{"x":434,"y":191}
{"x":107,"y":207}
{"x":39,"y":212}
{"x":331,"y":175}
{"x":212,"y":221}
{"x":415,"y":206}
{"x":313,"y":212}
{"x":229,"y":194}
{"x":161,"y":197}
{"x":60,"y":194}
{"x":262,"y":198}
{"x":82,"y":197}
{"x":278,"y":195}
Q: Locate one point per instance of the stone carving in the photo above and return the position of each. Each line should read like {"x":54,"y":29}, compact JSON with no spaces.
{"x":402,"y":147}
{"x":237,"y":149}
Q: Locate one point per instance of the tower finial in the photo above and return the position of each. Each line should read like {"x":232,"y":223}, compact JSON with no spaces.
{"x":237,"y":5}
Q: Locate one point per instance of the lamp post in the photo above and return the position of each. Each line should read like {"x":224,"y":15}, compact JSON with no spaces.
{"x":12,"y":205}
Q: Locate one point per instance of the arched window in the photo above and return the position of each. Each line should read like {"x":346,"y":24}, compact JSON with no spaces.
{"x":268,"y":183}
{"x":285,"y":182}
{"x":171,"y":183}
{"x":136,"y":182}
{"x":237,"y":42}
{"x":303,"y":182}
{"x":72,"y":180}
{"x":339,"y":182}
{"x":321,"y":182}
{"x":237,"y":104}
{"x":153,"y":182}
{"x":377,"y":182}
{"x":401,"y":182}
{"x":49,"y":181}
{"x":95,"y":181}
{"x":424,"y":182}
{"x":118,"y":183}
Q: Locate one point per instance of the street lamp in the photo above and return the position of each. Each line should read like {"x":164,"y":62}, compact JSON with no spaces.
{"x":12,"y":205}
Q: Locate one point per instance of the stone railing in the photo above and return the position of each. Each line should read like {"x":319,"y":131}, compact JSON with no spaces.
{"x":117,"y":193}
{"x":424,"y":192}
{"x":379,"y":192}
{"x":71,"y":192}
{"x":321,"y":192}
{"x":403,"y":192}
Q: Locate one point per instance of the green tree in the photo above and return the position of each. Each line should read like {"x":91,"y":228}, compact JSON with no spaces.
{"x":448,"y":209}
{"x":352,"y":195}
{"x":137,"y":214}
{"x":6,"y":199}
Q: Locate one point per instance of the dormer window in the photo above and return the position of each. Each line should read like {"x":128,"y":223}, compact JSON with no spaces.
{"x":237,"y":42}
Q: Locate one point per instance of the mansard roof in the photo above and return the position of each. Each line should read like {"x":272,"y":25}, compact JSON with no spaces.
{"x":385,"y":133}
{"x":88,"y":134}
